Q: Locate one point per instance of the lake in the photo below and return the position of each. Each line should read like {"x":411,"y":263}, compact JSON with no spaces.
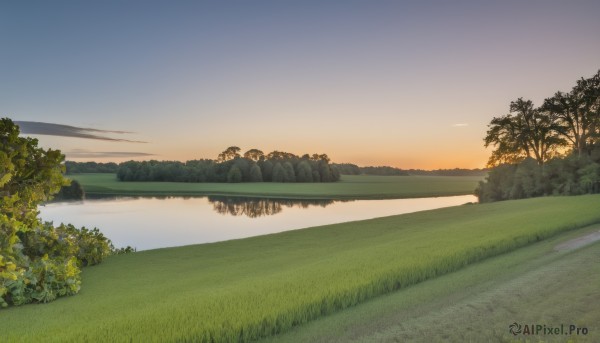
{"x":153,"y":222}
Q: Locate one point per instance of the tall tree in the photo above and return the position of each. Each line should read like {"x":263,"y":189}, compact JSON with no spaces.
{"x":229,"y":154}
{"x":579,"y":113}
{"x":288,"y":172}
{"x":304,"y":172}
{"x":254,"y":155}
{"x":234,"y":175}
{"x":278,"y":173}
{"x":525,"y":132}
{"x":255,"y":173}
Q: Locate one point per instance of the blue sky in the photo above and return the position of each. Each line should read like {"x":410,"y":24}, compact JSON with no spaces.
{"x":369,"y":82}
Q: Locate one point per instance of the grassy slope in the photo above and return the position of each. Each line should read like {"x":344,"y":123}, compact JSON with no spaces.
{"x":350,"y":187}
{"x":477,"y":304}
{"x":266,"y":284}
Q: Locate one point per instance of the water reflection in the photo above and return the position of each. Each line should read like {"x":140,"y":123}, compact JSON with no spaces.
{"x":158,"y":222}
{"x":259,"y":207}
{"x":224,"y":205}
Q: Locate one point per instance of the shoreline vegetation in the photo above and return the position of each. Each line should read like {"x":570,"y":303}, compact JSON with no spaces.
{"x":359,"y":187}
{"x":246,"y":289}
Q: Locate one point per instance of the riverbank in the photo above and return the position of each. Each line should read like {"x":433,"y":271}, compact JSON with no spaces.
{"x":350,"y":187}
{"x":255,"y":287}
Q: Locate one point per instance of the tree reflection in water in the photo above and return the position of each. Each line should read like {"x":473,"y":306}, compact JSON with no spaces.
{"x":234,"y":206}
{"x":258,"y":207}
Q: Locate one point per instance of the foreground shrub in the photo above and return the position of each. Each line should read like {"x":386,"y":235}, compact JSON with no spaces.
{"x":38,"y":262}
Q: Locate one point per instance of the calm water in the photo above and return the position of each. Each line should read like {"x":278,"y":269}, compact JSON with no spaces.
{"x":149,"y":222}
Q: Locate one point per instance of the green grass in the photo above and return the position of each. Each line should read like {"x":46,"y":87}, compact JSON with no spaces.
{"x":350,"y":187}
{"x":255,"y":287}
{"x":534,"y":284}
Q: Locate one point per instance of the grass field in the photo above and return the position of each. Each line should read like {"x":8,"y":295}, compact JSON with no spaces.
{"x":250,"y":288}
{"x":350,"y":187}
{"x":535,"y":284}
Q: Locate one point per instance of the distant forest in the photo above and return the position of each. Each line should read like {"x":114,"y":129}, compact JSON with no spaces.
{"x":206,"y":170}
{"x":353,"y":169}
{"x":90,"y":167}
{"x":230,"y":166}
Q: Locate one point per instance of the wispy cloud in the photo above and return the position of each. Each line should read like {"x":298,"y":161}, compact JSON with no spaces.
{"x":82,"y":153}
{"x":51,"y":129}
{"x":460,"y":125}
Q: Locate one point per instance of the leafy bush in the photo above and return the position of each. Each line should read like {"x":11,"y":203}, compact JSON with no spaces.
{"x":38,"y":262}
{"x":74,"y":191}
{"x":571,"y":175}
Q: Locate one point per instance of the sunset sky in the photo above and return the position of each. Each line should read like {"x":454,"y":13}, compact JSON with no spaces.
{"x":407,"y":84}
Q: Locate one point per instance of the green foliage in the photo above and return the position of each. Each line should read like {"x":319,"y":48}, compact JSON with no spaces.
{"x":38,"y":262}
{"x":28,"y":174}
{"x":288,"y":172}
{"x":566,"y":120}
{"x":254,"y":155}
{"x":74,"y":191}
{"x":527,"y":180}
{"x":218,"y":171}
{"x":304,"y":172}
{"x":266,"y":168}
{"x":449,"y":172}
{"x":525,"y":132}
{"x":90,"y":167}
{"x":255,"y":174}
{"x":234,"y":175}
{"x":230,"y":153}
{"x":353,"y":169}
{"x":571,"y":175}
{"x":278,"y":173}
{"x":121,"y":251}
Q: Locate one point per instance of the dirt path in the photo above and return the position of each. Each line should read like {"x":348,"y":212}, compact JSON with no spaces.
{"x":578,"y":242}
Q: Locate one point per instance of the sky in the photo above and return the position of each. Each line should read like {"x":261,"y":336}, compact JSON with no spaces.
{"x":410,"y":84}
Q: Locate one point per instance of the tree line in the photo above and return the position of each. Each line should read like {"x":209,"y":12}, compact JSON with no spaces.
{"x":90,"y":167}
{"x":553,"y":149}
{"x":231,"y":166}
{"x":353,"y":169}
{"x":343,"y":168}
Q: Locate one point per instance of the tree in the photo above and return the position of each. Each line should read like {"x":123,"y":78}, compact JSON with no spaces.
{"x":255,"y":173}
{"x":229,"y":154}
{"x":325,"y":171}
{"x":281,"y":155}
{"x":72,"y":192}
{"x":288,"y":172}
{"x":38,"y":262}
{"x":266,"y":168}
{"x":254,"y":155}
{"x":579,"y":112}
{"x":278,"y":173}
{"x":525,"y":132}
{"x":28,"y":174}
{"x":234,"y":175}
{"x":304,"y":172}
{"x":527,"y":181}
{"x":322,"y":157}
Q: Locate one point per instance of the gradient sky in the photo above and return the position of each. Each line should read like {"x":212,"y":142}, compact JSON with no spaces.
{"x":408,"y":84}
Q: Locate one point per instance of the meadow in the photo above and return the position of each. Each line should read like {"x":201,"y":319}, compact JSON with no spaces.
{"x":534,"y":284}
{"x":350,"y":187}
{"x":246,"y":289}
